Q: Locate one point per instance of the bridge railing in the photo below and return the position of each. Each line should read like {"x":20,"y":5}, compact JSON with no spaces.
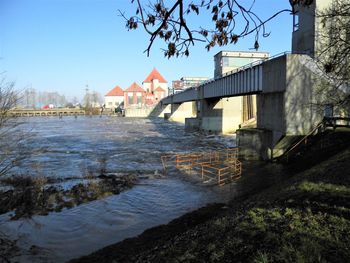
{"x":250,"y":65}
{"x":333,"y":122}
{"x":171,"y":98}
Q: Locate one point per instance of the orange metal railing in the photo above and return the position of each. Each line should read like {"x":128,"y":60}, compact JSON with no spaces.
{"x":222,"y":165}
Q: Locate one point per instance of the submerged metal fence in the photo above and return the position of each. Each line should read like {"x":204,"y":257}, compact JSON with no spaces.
{"x":222,"y":165}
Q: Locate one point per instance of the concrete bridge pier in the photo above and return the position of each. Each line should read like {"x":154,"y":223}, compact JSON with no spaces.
{"x":220,"y":115}
{"x":181,"y":111}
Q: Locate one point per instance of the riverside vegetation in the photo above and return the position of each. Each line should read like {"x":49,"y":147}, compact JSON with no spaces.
{"x":40,"y":195}
{"x":305,"y":218}
{"x":37,"y":196}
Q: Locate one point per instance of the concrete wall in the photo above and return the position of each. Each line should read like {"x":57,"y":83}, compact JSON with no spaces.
{"x":254,"y":144}
{"x":301,"y":89}
{"x":112,"y":102}
{"x":138,"y":112}
{"x":270,"y":103}
{"x":192,"y":124}
{"x":303,"y":39}
{"x":289,"y":91}
{"x":221,"y":116}
{"x":160,"y":111}
{"x":271,"y":114}
{"x":308,"y":37}
{"x":286,"y":106}
{"x":179,"y":112}
{"x":155,"y":111}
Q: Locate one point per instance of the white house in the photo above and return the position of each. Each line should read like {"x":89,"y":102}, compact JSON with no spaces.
{"x":114,"y":98}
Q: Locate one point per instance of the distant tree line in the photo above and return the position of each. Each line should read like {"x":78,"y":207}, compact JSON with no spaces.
{"x":31,"y":98}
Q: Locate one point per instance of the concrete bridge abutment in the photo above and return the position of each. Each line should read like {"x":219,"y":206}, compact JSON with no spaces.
{"x":179,"y":112}
{"x":220,"y":115}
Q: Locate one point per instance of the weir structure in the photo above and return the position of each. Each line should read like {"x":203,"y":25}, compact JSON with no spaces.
{"x":46,"y":112}
{"x":268,"y":102}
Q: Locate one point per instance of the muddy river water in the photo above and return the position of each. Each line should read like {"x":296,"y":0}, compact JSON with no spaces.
{"x":69,"y":147}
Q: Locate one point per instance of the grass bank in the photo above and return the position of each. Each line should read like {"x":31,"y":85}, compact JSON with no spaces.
{"x":305,"y":218}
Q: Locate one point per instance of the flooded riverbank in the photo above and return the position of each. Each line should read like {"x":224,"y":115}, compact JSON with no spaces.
{"x":71,"y":148}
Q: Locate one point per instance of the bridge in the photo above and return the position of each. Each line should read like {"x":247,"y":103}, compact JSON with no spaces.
{"x":46,"y":112}
{"x":268,"y":102}
{"x":242,"y":81}
{"x":264,"y":103}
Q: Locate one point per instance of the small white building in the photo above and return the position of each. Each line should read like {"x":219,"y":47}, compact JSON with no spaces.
{"x":114,"y":98}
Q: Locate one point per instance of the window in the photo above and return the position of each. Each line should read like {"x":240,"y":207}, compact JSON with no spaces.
{"x":139,"y":98}
{"x":296,"y":22}
{"x":328,"y":110}
{"x":130,"y":98}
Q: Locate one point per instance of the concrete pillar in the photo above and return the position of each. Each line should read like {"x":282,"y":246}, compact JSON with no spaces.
{"x":221,"y":115}
{"x":179,"y":112}
{"x":160,"y":110}
{"x":248,"y":107}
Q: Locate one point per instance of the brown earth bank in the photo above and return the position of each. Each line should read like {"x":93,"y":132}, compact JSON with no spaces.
{"x":40,"y":195}
{"x":30,"y":196}
{"x":304,"y":218}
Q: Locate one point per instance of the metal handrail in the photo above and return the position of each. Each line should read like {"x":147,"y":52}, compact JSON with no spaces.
{"x":304,"y":138}
{"x":322,"y":123}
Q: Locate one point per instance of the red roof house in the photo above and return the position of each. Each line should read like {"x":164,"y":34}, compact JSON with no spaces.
{"x":114,"y":97}
{"x":134,"y":96}
{"x":155,"y":75}
{"x":155,"y":83}
{"x":116,"y":91}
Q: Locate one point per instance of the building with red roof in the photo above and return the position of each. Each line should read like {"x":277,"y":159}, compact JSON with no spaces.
{"x":159,"y":93}
{"x":155,"y":86}
{"x":134,"y":96}
{"x":114,"y":97}
{"x":155,"y":75}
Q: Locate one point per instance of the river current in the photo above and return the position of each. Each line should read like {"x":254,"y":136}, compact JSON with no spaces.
{"x":69,"y":147}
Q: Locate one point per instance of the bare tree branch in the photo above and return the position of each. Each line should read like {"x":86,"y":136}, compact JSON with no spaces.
{"x":334,"y":58}
{"x":170,"y":23}
{"x":11,"y":138}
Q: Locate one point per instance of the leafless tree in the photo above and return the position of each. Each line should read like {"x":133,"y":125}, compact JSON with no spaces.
{"x":334,"y":56}
{"x":11,"y":138}
{"x":96,"y":99}
{"x":231,"y":20}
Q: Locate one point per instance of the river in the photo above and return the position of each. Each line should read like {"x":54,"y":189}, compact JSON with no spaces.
{"x":69,"y":147}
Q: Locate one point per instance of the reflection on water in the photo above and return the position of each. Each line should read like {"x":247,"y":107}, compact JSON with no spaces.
{"x":68,"y":146}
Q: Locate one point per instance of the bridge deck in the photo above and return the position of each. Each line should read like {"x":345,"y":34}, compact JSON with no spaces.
{"x":246,"y":81}
{"x":242,"y":81}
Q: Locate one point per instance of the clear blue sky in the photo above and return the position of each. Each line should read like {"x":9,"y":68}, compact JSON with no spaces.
{"x":63,"y":45}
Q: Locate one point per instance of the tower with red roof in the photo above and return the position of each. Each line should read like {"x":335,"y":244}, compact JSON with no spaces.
{"x":155,"y":86}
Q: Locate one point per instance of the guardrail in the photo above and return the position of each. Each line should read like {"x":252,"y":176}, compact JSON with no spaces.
{"x":222,"y":166}
{"x":333,"y":122}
